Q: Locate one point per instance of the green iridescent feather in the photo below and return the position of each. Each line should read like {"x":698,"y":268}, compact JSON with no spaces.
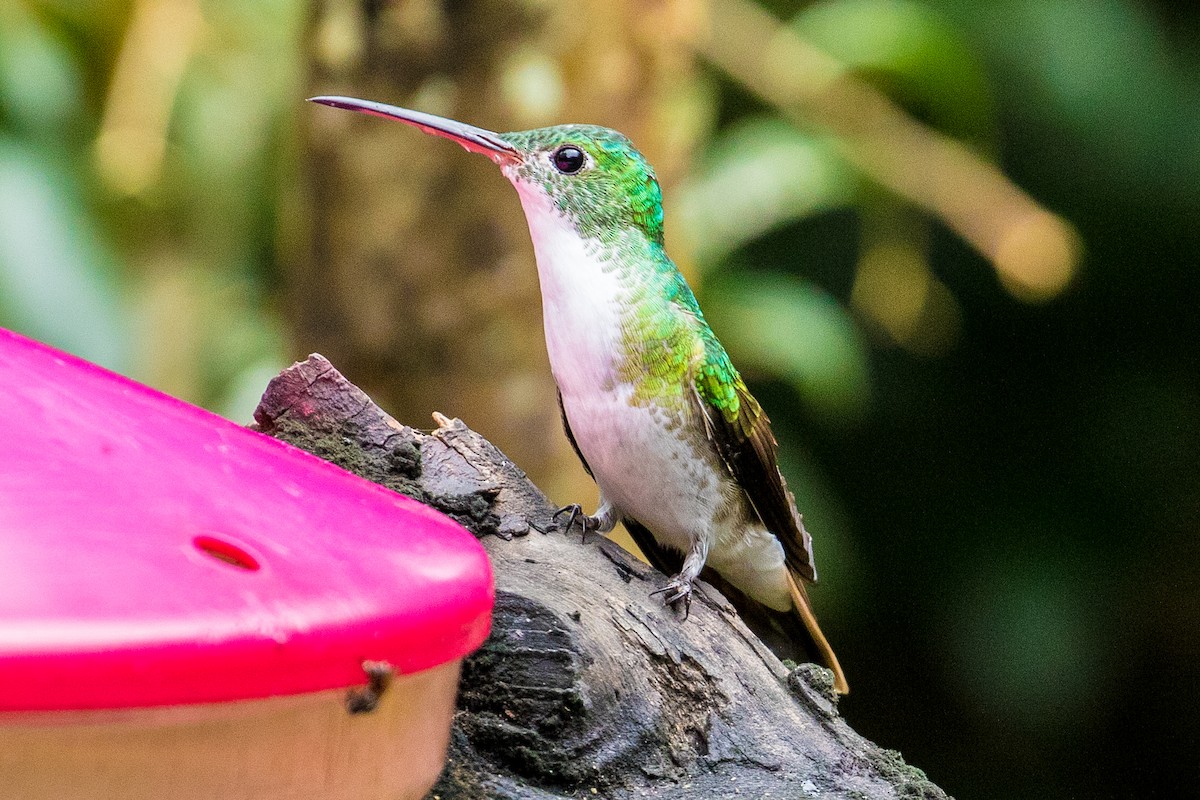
{"x":619,"y":194}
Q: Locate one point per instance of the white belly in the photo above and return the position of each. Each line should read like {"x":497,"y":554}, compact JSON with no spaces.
{"x":648,"y":472}
{"x":677,"y":489}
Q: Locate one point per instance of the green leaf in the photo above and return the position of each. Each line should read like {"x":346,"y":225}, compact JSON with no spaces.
{"x":789,"y":329}
{"x":758,"y":176}
{"x":57,"y":276}
{"x":40,"y":84}
{"x":912,"y":53}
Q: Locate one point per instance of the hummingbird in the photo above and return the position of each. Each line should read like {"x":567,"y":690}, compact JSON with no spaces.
{"x":681,"y":451}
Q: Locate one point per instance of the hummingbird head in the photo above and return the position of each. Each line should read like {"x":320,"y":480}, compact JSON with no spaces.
{"x":592,"y":176}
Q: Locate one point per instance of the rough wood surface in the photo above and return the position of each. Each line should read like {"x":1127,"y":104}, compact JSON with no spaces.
{"x":589,"y":687}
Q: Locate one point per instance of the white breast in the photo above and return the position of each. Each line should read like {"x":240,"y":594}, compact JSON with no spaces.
{"x":580,"y":298}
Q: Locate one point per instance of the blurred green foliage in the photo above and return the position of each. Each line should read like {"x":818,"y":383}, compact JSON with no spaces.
{"x":142,"y":146}
{"x":1003,"y":494}
{"x":60,"y":279}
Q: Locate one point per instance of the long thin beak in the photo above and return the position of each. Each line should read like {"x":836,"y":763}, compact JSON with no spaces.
{"x":476,"y":140}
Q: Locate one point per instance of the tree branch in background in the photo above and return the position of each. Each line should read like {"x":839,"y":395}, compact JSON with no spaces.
{"x":588,"y":686}
{"x":1034,"y":251}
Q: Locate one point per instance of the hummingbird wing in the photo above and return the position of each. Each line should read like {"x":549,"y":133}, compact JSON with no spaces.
{"x":562,"y":412}
{"x":741,"y":432}
{"x":664,"y":559}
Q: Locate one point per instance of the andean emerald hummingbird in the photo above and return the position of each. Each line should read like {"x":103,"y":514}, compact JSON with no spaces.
{"x":682,"y":453}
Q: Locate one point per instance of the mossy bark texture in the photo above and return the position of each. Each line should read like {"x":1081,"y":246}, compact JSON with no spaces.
{"x":589,"y":687}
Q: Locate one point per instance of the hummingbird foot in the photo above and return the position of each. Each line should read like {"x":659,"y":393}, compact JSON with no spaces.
{"x":603,"y":522}
{"x":678,"y":591}
{"x":574,"y":513}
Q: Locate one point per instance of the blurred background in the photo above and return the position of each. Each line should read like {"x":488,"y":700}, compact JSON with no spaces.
{"x":952,"y":245}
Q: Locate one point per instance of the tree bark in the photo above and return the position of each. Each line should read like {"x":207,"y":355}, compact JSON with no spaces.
{"x":587,"y":686}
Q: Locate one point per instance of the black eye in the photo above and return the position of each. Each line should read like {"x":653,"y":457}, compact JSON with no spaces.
{"x":568,"y":159}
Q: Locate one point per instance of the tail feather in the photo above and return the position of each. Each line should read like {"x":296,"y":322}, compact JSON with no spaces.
{"x":803,"y":609}
{"x":792,"y":634}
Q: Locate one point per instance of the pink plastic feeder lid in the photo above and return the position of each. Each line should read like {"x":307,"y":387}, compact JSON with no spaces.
{"x":152,"y":553}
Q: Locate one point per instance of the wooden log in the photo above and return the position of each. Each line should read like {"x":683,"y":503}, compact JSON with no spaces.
{"x":589,"y":687}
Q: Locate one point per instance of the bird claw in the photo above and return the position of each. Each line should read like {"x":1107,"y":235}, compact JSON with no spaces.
{"x":575,"y":512}
{"x":677,"y":591}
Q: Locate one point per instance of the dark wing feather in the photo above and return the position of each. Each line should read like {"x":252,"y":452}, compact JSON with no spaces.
{"x":664,"y":559}
{"x":739,"y":428}
{"x":570,"y":436}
